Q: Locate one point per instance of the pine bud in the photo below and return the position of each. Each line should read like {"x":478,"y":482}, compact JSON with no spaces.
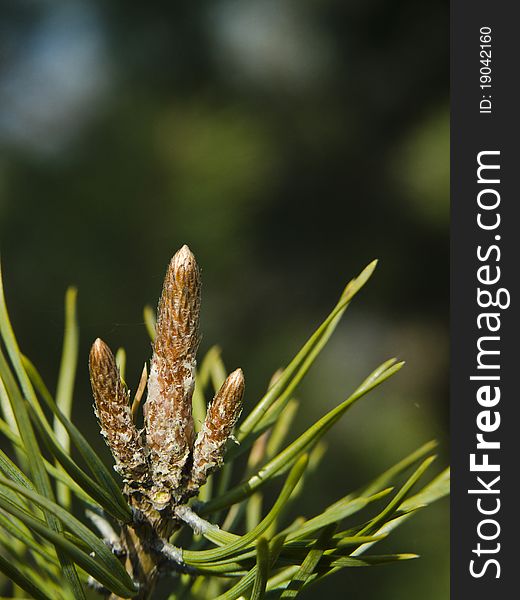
{"x":167,"y":410}
{"x":113,"y":412}
{"x":222,"y":416}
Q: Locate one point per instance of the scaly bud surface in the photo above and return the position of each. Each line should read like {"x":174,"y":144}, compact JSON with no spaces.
{"x":113,"y":412}
{"x":168,"y":410}
{"x":222,"y":416}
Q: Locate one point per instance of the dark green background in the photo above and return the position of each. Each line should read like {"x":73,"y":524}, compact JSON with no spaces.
{"x":288,"y":143}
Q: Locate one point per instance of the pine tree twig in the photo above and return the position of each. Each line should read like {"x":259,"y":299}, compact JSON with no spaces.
{"x":110,"y":537}
{"x":164,"y":466}
{"x":199,"y":525}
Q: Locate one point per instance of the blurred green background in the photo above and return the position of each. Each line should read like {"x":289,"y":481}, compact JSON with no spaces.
{"x":288,"y":143}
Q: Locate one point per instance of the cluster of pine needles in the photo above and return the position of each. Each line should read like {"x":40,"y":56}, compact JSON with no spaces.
{"x":174,"y":518}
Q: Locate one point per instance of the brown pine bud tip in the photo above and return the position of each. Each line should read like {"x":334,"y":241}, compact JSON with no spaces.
{"x":113,"y":412}
{"x":221,"y":418}
{"x":167,"y":410}
{"x":100,"y":351}
{"x":177,"y":329}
